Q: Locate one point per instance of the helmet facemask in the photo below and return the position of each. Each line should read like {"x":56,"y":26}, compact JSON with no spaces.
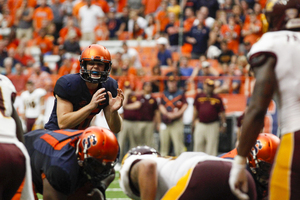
{"x":87,"y":75}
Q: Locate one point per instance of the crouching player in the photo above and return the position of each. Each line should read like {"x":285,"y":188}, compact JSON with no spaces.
{"x":260,"y":161}
{"x":192,"y":175}
{"x":72,"y":164}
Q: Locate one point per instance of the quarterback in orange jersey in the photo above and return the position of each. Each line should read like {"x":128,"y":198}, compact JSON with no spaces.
{"x":72,"y":164}
{"x":275,"y":61}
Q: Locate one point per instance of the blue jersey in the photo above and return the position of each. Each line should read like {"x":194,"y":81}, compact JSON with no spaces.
{"x":53,"y":155}
{"x":73,"y":88}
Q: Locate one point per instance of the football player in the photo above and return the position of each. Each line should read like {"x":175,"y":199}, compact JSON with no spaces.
{"x":14,"y":159}
{"x":147,"y":176}
{"x":275,"y":61}
{"x":79,"y":97}
{"x":72,"y":164}
{"x":260,"y":161}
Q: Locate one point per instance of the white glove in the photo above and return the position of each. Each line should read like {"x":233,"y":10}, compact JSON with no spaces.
{"x":97,"y":192}
{"x":238,"y":178}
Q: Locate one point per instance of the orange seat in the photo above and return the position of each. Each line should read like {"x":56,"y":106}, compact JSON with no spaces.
{"x":125,"y":36}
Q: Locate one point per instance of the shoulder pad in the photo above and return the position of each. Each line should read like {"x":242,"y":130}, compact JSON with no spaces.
{"x":258,"y":59}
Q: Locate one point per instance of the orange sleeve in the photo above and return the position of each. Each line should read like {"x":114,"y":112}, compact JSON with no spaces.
{"x":49,"y":14}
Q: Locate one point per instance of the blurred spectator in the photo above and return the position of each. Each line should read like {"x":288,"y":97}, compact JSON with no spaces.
{"x":227,"y":6}
{"x":3,"y":52}
{"x":58,"y":14}
{"x":18,"y":78}
{"x":42,"y":16}
{"x":161,"y":18}
{"x":132,"y":55}
{"x":185,"y":68}
{"x":224,"y":83}
{"x":138,"y":33}
{"x":208,"y":109}
{"x":164,"y":55}
{"x":71,"y":44}
{"x":172,"y":106}
{"x":174,"y":8}
{"x":135,"y":18}
{"x":198,"y":37}
{"x":130,"y":117}
{"x":172,"y":30}
{"x":124,"y":21}
{"x":204,"y":70}
{"x":22,"y":54}
{"x":215,"y":35}
{"x":129,"y":75}
{"x":175,"y":72}
{"x":237,"y":12}
{"x":212,"y":5}
{"x":116,"y":69}
{"x":66,"y":66}
{"x":113,"y":24}
{"x":226,"y":54}
{"x":189,"y":18}
{"x":88,"y":20}
{"x":44,"y":43}
{"x":252,"y":31}
{"x":103,"y":5}
{"x":145,"y":125}
{"x":6,"y":18}
{"x":68,"y":29}
{"x":135,"y":5}
{"x":41,"y":79}
{"x":150,"y":30}
{"x":231,"y":32}
{"x":67,"y":8}
{"x":101,"y":30}
{"x":23,"y":21}
{"x":12,"y":42}
{"x":150,"y":6}
{"x":155,"y":81}
{"x":7,"y":66}
{"x":209,"y":21}
{"x":34,"y":109}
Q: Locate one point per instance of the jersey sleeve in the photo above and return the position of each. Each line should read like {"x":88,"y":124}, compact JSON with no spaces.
{"x":67,"y":86}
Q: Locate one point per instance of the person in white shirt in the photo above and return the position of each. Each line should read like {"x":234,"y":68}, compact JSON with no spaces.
{"x":88,"y":15}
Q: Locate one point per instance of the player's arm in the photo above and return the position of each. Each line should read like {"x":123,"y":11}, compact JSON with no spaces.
{"x":144,"y":178}
{"x":49,"y":193}
{"x":19,"y":130}
{"x":66,"y":117}
{"x":264,"y":89}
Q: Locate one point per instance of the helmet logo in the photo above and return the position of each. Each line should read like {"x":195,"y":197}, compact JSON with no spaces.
{"x":89,"y":141}
{"x":258,"y":146}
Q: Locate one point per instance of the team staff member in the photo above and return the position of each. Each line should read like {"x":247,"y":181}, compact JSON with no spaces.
{"x":148,"y":115}
{"x":130,"y":117}
{"x":79,"y":97}
{"x":192,"y":175}
{"x":275,"y":62}
{"x":208,"y":109}
{"x":14,"y":159}
{"x":172,"y":106}
{"x":72,"y":164}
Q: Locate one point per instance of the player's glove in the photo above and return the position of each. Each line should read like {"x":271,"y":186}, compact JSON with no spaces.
{"x":238,"y":178}
{"x":96,"y":192}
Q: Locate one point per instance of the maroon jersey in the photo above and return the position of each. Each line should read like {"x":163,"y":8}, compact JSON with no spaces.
{"x":208,"y":107}
{"x":149,"y":106}
{"x":131,"y":115}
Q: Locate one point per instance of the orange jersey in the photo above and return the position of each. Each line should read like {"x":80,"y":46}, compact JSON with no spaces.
{"x":101,"y":32}
{"x":252,"y":38}
{"x":188,"y":24}
{"x":162,"y":17}
{"x":103,"y":4}
{"x":45,"y":44}
{"x":13,"y":5}
{"x":42,"y":16}
{"x":233,"y":43}
{"x":150,"y":6}
{"x":65,"y":30}
{"x":76,"y":8}
{"x":230,"y":155}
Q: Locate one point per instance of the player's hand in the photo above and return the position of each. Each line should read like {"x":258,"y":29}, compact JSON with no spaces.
{"x":98,"y":97}
{"x":238,"y":178}
{"x":96,"y":193}
{"x":117,"y":102}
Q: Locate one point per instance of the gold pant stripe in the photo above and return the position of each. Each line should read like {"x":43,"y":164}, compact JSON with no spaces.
{"x":280,"y":178}
{"x":176,"y":191}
